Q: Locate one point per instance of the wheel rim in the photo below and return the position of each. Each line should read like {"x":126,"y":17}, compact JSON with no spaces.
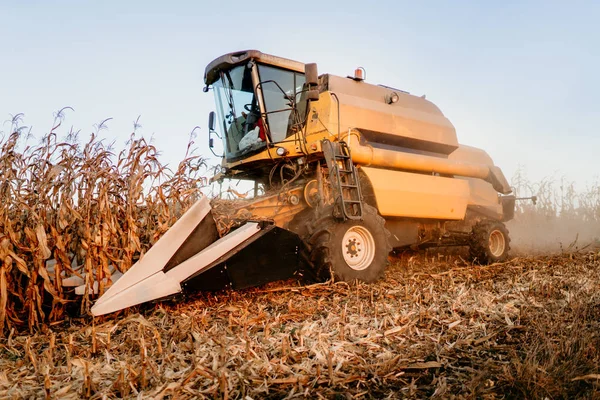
{"x":358,"y":248}
{"x":497,"y":243}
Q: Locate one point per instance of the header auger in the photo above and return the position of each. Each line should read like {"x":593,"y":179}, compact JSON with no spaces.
{"x":346,"y":171}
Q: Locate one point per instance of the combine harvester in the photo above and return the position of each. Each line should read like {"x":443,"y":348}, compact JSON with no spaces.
{"x":348,"y":171}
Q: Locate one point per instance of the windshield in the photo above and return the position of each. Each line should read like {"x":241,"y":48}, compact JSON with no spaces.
{"x":278,"y":99}
{"x":238,"y":113}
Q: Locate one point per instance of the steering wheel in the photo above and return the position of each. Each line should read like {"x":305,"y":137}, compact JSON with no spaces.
{"x":248,"y":107}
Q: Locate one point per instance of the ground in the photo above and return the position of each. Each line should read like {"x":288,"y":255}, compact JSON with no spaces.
{"x":434,"y":327}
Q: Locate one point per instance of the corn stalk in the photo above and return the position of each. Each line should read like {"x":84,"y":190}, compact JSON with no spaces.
{"x":71,"y":208}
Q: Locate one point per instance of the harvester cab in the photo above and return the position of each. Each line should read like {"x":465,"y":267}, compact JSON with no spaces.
{"x":349,"y":171}
{"x":257,"y":101}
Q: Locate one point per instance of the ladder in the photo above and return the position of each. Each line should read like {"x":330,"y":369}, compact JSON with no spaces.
{"x":343,"y":177}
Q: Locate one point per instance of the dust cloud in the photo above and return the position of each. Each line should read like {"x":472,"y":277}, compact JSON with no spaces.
{"x":541,"y":234}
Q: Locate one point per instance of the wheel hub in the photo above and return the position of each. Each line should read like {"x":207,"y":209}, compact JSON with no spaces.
{"x":358,"y":247}
{"x":353,"y":248}
{"x":497,"y":243}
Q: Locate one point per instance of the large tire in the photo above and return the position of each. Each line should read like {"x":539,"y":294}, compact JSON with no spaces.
{"x":489,"y":242}
{"x":352,"y":249}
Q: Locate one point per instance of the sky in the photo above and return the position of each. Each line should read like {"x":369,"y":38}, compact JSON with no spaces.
{"x":519,"y":79}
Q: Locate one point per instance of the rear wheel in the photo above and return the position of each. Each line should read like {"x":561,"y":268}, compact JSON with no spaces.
{"x":350,"y":249}
{"x":489,"y":242}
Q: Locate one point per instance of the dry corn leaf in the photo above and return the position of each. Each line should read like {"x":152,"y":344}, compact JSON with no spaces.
{"x":587,"y":377}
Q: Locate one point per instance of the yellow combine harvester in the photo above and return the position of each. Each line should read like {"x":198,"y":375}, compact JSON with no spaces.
{"x":348,"y":171}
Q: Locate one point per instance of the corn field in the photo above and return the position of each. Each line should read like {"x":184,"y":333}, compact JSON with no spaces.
{"x":563,"y":219}
{"x":436,"y":326}
{"x":81,"y":208}
{"x":71,"y":207}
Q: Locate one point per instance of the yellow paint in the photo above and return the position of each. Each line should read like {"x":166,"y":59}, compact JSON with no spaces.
{"x":404,"y":194}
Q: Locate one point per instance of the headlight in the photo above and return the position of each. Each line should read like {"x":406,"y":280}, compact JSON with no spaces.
{"x":281,"y":151}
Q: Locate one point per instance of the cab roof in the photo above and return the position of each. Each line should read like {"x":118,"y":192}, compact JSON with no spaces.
{"x":211,"y":73}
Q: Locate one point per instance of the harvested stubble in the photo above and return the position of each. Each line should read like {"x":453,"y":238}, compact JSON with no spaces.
{"x":528,"y":328}
{"x":81,"y":205}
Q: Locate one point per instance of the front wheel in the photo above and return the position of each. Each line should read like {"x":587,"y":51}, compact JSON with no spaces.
{"x":351,"y":249}
{"x":489,"y":242}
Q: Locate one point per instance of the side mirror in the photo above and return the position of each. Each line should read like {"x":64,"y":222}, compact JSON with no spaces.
{"x":211,"y":129}
{"x":311,"y":74}
{"x":211,"y":121}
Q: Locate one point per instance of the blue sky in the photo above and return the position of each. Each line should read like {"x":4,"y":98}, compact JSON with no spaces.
{"x":517,"y":78}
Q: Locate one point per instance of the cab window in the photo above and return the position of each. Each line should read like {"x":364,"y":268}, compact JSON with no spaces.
{"x":279,"y":97}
